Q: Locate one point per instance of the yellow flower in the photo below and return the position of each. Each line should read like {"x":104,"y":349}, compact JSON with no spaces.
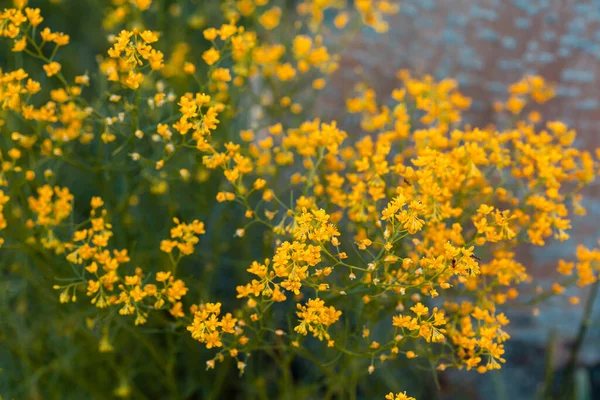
{"x":221,"y":74}
{"x":420,"y":310}
{"x":34,"y":17}
{"x":189,"y":68}
{"x":52,"y":68}
{"x":210,"y":34}
{"x":302,"y":45}
{"x":20,"y":44}
{"x":270,"y":19}
{"x":398,"y":396}
{"x":142,"y":4}
{"x":285,"y":72}
{"x":211,"y":56}
{"x":341,"y":20}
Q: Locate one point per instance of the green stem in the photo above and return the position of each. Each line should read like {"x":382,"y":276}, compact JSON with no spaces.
{"x":586,"y":321}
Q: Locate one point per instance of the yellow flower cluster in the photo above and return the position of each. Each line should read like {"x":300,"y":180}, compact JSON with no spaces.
{"x":289,"y":268}
{"x":586,"y":269}
{"x":51,"y":210}
{"x":447,"y":179}
{"x":108,"y":285}
{"x":183,"y":237}
{"x":16,"y":21}
{"x":3,"y":200}
{"x":426,"y":327}
{"x":315,"y":317}
{"x":208,"y":327}
{"x":398,"y":396}
{"x":534,"y":87}
{"x":396,"y":235}
{"x":12,"y":89}
{"x":373,"y":12}
{"x":192,"y":117}
{"x":130,"y":53}
{"x":63,"y":114}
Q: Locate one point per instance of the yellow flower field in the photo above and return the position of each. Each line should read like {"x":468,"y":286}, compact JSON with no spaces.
{"x":180,"y":220}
